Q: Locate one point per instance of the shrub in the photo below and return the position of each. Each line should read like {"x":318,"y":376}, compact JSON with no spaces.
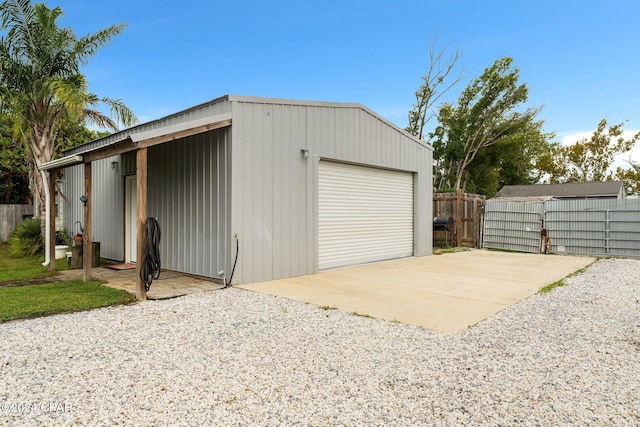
{"x":26,"y":239}
{"x":62,"y":237}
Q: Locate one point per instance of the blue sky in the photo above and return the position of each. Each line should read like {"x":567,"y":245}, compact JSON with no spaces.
{"x":580,"y":59}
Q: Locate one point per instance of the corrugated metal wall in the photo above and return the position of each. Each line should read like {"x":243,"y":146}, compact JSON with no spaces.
{"x":108,"y":207}
{"x":188,"y":192}
{"x":274,"y":186}
{"x":592,"y":227}
{"x":513,"y":226}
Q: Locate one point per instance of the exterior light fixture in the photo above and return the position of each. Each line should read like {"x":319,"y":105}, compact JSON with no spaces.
{"x":83,"y":199}
{"x":114,"y":166}
{"x":304,"y":152}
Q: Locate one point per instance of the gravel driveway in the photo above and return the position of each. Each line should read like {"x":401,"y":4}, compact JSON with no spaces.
{"x":233,"y":357}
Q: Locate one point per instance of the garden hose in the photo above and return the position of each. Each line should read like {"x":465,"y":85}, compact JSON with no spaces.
{"x":150,"y":268}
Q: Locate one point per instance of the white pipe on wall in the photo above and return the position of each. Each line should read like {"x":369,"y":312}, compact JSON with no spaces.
{"x":47,"y":222}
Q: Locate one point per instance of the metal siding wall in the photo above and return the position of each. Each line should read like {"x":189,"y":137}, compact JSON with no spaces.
{"x":73,"y":188}
{"x":128,"y":163}
{"x":594,"y":227}
{"x":108,"y":205}
{"x":188,"y":193}
{"x":513,"y":226}
{"x":275,"y":188}
{"x":591,"y":227}
{"x":108,"y":208}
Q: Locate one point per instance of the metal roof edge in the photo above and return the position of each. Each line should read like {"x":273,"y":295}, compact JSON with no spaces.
{"x":288,"y":101}
{"x":127,"y":131}
{"x":310,"y":103}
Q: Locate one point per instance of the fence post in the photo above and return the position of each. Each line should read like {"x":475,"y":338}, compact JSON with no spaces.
{"x":607,"y":248}
{"x":458,"y":218}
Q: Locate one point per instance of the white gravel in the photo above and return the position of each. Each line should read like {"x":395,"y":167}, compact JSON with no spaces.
{"x":234,"y":357}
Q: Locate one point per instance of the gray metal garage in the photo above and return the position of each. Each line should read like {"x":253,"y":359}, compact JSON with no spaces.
{"x":293,"y":187}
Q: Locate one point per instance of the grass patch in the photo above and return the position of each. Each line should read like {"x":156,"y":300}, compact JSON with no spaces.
{"x":449,"y":250}
{"x":15,"y":269}
{"x":355,"y":313}
{"x":22,"y":302}
{"x":559,"y":283}
{"x":551,"y":286}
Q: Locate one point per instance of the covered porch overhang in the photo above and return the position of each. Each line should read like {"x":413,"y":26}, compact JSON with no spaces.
{"x":137,"y":142}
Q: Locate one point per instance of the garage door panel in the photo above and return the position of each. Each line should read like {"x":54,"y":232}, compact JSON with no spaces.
{"x":364,"y":214}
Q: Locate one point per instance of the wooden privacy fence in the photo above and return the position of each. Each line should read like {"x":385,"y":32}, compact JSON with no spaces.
{"x":10,"y":217}
{"x":467,"y":211}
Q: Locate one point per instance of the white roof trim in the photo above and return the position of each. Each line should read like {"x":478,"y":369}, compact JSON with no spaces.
{"x":60,"y":163}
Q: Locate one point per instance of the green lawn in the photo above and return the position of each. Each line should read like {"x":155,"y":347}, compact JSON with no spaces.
{"x":21,"y":302}
{"x":24,"y":268}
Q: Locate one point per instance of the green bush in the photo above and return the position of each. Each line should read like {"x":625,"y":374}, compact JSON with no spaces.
{"x":62,"y":237}
{"x":26,"y":239}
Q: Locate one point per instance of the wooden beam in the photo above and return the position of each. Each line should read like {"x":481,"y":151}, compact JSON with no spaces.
{"x":51,"y":211}
{"x":154,"y":137}
{"x":87,"y":254}
{"x":141,"y":236}
{"x":111,"y":150}
{"x":161,"y":139}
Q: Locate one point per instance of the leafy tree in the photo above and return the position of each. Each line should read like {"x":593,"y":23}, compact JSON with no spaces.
{"x":14,"y":173}
{"x":435,"y":83}
{"x":486,"y":114}
{"x":512,"y":161}
{"x":41,"y":84}
{"x":630,"y":177}
{"x":590,"y":159}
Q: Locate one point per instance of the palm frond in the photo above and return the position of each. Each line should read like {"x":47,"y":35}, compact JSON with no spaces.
{"x":18,"y":18}
{"x":120,"y":111}
{"x":88,"y":46}
{"x":101,"y":120}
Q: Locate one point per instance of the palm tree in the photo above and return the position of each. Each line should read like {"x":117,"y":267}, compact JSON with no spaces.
{"x":41,"y":83}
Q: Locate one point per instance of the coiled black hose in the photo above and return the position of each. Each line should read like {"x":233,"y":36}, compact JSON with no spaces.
{"x":234,"y":262}
{"x":150,"y":268}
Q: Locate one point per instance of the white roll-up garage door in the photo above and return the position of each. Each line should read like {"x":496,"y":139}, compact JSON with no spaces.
{"x":364,"y":214}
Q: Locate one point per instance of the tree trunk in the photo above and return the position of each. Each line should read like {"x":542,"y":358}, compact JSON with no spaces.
{"x":42,"y":152}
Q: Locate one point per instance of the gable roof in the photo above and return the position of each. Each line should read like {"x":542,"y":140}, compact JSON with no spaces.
{"x":569,"y":190}
{"x":204,"y":115}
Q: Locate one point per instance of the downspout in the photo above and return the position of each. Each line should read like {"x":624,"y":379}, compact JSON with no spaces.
{"x":47,"y":222}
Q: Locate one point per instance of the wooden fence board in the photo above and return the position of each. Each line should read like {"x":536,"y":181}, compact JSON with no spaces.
{"x":467,"y":211}
{"x":10,"y":217}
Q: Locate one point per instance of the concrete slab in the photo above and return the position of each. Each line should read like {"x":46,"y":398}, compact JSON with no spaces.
{"x":170,"y":284}
{"x":447,"y":292}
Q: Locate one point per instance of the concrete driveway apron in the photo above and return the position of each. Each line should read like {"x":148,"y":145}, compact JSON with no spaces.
{"x":446,"y":293}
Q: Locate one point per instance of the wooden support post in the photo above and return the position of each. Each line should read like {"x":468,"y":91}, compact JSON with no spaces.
{"x":141,"y":236}
{"x":459,"y":218}
{"x":51,"y":211}
{"x":86,"y":243}
{"x":476,"y":222}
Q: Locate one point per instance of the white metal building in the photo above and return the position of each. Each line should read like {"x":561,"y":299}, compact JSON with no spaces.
{"x":295,"y":186}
